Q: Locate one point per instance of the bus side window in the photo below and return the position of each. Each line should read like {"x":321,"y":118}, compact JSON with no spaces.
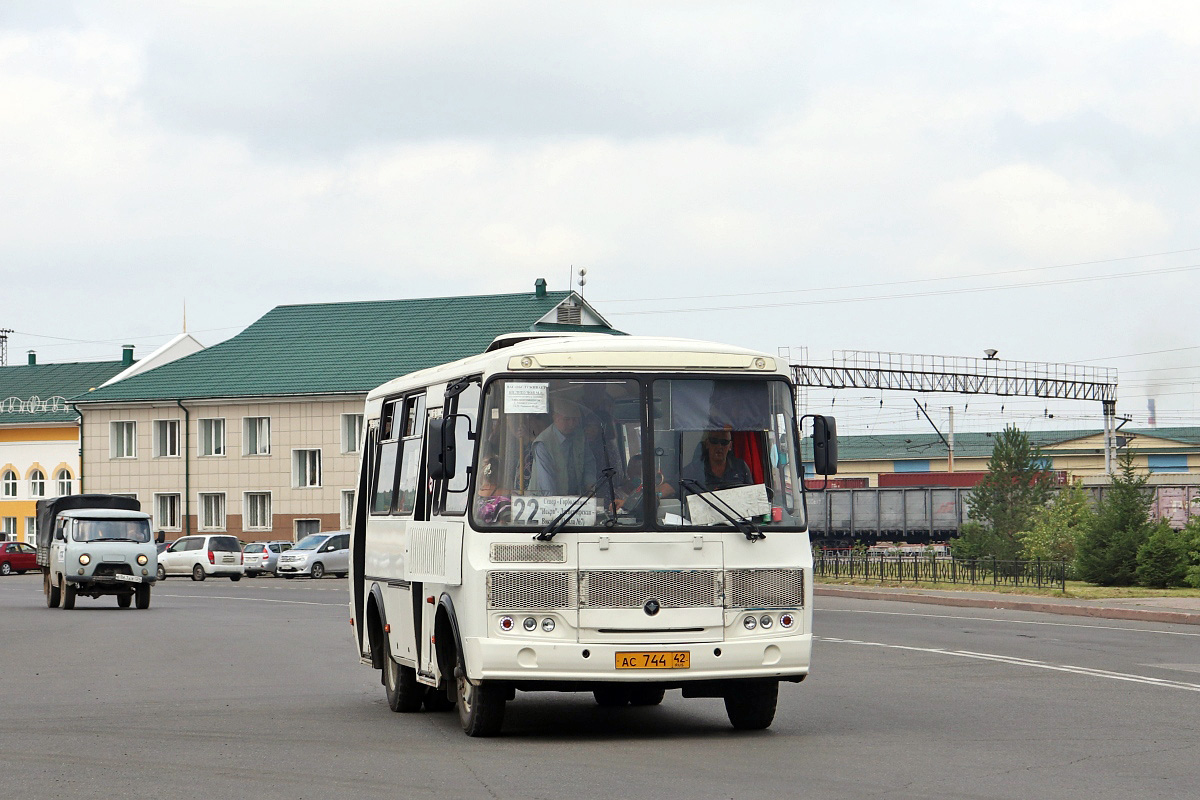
{"x":465,"y":405}
{"x":384,"y":487}
{"x":410,"y":455}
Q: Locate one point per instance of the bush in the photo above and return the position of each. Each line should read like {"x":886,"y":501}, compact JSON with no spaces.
{"x":979,"y":541}
{"x":1058,"y":527}
{"x":1163,"y":560}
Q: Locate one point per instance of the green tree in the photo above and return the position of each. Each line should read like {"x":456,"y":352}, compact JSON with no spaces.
{"x":1016,"y":485}
{"x":1163,"y":560}
{"x":1107,"y":553}
{"x":1191,"y":535}
{"x":1057,"y":528}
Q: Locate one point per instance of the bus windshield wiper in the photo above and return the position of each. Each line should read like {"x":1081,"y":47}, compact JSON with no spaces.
{"x":567,"y":514}
{"x":752,"y":532}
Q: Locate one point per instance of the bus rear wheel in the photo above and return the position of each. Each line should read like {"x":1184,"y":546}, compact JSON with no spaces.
{"x":751,"y":704}
{"x":480,"y":707}
{"x":404,"y":694}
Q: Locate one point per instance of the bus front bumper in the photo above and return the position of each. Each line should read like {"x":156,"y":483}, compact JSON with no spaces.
{"x":532,"y":660}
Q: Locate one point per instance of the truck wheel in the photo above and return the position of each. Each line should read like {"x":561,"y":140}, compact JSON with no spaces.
{"x":198,"y":573}
{"x":161,"y":572}
{"x":124,"y":600}
{"x":51,"y":591}
{"x":142,"y":596}
{"x":318,"y":571}
{"x":66,"y":595}
{"x":646,"y":695}
{"x":751,"y":704}
{"x":6,"y":568}
{"x":480,"y":708}
{"x":400,"y":685}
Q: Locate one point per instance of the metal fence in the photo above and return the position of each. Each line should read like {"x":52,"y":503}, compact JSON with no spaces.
{"x":925,"y":568}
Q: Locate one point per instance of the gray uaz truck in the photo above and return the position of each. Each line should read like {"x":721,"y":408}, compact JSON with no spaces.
{"x":93,"y":545}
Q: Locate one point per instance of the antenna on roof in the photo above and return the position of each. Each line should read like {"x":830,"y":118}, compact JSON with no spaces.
{"x":185,"y":316}
{"x":4,"y":332}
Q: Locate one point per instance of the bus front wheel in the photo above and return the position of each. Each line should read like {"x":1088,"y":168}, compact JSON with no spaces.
{"x":751,"y":704}
{"x":480,"y":707}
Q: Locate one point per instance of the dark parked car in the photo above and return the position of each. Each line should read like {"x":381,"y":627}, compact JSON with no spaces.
{"x":17,"y":557}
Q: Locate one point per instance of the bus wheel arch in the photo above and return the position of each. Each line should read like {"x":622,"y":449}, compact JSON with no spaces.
{"x":375,"y":621}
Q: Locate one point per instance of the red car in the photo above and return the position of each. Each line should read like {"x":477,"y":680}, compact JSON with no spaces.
{"x":17,"y":557}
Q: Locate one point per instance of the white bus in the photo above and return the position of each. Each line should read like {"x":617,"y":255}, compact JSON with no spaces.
{"x":618,"y":515}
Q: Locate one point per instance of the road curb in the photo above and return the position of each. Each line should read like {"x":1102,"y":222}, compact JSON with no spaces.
{"x":1075,"y":610}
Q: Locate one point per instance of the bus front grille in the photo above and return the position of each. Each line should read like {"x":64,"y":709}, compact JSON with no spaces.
{"x":632,"y":589}
{"x":540,"y":589}
{"x":535,"y":552}
{"x":765,"y":588}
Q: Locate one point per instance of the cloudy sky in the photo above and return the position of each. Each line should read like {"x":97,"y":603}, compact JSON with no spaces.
{"x":915,"y":177}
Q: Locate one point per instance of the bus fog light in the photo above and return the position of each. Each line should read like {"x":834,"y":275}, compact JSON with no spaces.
{"x":506,"y":623}
{"x":786,"y":621}
{"x":142,"y":560}
{"x":530,"y":624}
{"x":750,"y":623}
{"x":547,"y":624}
{"x":766,"y":621}
{"x":85,"y":559}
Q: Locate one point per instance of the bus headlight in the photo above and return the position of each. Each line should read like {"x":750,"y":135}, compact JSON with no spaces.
{"x":547,"y":625}
{"x":530,"y":624}
{"x":750,"y":623}
{"x":765,"y":622}
{"x":85,"y":559}
{"x":142,"y":560}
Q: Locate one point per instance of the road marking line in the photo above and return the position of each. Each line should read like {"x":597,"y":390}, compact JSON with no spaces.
{"x":1026,"y":662}
{"x":1009,"y":621}
{"x":246,"y":599}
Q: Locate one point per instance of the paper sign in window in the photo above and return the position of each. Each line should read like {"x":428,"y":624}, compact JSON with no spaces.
{"x":526,"y":398}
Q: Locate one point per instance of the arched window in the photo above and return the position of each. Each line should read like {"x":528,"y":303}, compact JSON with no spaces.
{"x":63,"y":481}
{"x":8,"y":484}
{"x":37,"y":483}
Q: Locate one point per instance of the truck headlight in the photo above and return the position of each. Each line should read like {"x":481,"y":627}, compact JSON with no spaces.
{"x":85,"y":559}
{"x":142,"y":560}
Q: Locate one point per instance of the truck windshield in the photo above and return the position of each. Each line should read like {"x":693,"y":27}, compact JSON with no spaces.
{"x":545,"y":444}
{"x":122,"y":530}
{"x":724,"y":450}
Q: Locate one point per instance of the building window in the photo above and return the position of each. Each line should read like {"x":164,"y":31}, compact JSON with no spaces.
{"x":256,"y":436}
{"x":31,"y":530}
{"x":347,"y":508}
{"x":212,"y":437}
{"x":257,"y":511}
{"x":166,"y":512}
{"x":8,"y":528}
{"x":351,"y":432}
{"x":212,"y":511}
{"x":306,"y":468}
{"x":122,"y":440}
{"x":166,"y":438}
{"x":8,"y":484}
{"x":37,"y":483}
{"x":62,"y":483}
{"x":1167,"y":463}
{"x":306,"y":526}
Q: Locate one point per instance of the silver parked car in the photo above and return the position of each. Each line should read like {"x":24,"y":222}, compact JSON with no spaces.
{"x":262,"y":557}
{"x":317,"y":554}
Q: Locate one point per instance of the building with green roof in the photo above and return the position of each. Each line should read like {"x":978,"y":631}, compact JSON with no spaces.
{"x":259,"y":435}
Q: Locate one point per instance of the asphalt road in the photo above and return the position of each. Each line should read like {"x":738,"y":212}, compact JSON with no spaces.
{"x":253,"y":689}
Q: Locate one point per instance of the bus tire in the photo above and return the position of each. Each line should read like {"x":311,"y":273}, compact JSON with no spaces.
{"x":751,"y":704}
{"x":404,"y":694}
{"x":480,"y":707}
{"x":51,"y":590}
{"x":646,"y":695}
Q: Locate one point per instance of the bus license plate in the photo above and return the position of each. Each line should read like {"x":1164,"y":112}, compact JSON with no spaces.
{"x":677,"y":659}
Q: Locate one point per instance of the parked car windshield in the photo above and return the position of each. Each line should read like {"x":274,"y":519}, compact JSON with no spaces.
{"x":124,"y":530}
{"x":310,"y":542}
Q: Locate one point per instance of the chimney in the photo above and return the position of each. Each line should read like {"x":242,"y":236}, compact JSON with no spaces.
{"x":539,"y":287}
{"x":32,"y":358}
{"x":127,"y":355}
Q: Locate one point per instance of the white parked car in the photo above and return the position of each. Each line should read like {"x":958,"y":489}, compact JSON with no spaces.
{"x":202,"y":556}
{"x":317,"y":554}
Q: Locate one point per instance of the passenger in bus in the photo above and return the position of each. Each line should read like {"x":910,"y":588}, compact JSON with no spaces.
{"x":492,"y":504}
{"x":717,"y":467}
{"x":563,"y":463}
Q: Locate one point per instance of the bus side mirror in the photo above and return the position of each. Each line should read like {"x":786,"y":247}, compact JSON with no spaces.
{"x":824,"y":445}
{"x":441,"y":448}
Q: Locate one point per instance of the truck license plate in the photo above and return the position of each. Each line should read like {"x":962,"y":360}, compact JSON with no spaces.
{"x":129,"y":578}
{"x":676,"y":659}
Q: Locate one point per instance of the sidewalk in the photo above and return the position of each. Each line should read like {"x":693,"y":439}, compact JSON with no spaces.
{"x":1180,"y":610}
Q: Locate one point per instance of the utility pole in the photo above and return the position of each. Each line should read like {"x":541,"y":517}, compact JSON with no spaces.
{"x":4,"y":332}
{"x":950,"y":459}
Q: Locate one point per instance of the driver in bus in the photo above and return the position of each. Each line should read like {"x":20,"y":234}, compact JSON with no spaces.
{"x":717,"y":467}
{"x":563,"y":463}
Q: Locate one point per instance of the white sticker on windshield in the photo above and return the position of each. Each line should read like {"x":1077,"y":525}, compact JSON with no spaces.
{"x":526,"y":398}
{"x":532,"y":510}
{"x":744,"y":502}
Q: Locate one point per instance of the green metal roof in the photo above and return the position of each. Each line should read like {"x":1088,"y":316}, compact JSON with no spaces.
{"x":902,"y":446}
{"x":329,"y":348}
{"x":21,"y":386}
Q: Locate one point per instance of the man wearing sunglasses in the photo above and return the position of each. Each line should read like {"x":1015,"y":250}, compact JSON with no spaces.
{"x":718,"y":467}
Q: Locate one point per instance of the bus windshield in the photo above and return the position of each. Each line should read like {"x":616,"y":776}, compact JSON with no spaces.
{"x":571,"y":450}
